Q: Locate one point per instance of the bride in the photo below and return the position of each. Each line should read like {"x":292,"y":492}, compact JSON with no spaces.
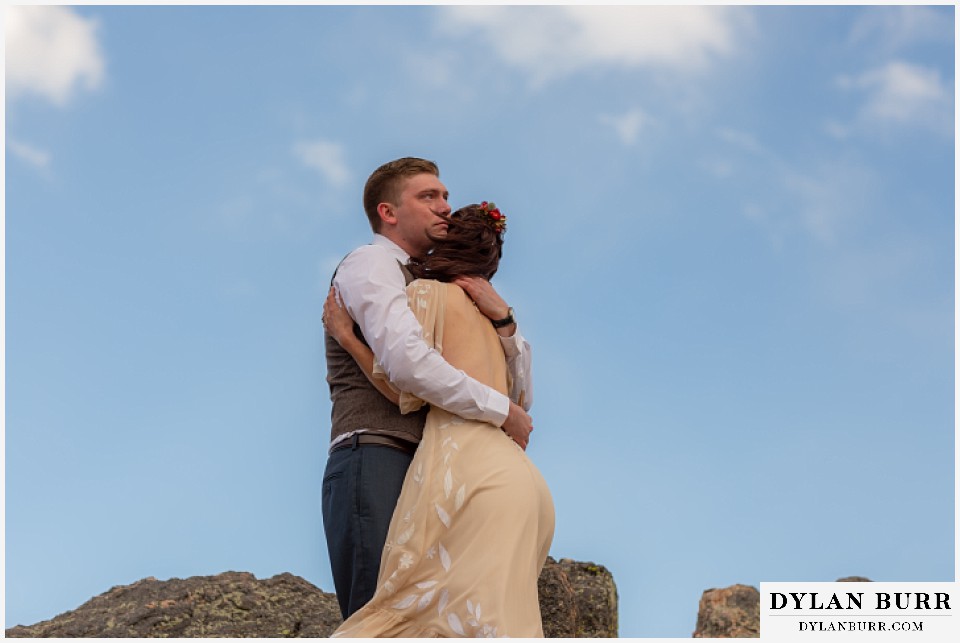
{"x":474,"y":521}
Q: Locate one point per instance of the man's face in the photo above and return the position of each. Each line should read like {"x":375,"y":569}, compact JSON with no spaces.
{"x":422,"y":203}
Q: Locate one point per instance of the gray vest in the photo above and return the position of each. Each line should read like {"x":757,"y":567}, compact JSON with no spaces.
{"x":357,"y":404}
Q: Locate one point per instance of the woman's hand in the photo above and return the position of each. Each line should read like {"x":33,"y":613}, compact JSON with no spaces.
{"x":488,"y":301}
{"x":339,"y":325}
{"x":336,"y":320}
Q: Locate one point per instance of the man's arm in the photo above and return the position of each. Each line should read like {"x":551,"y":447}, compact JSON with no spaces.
{"x":373,"y":291}
{"x":339,"y":325}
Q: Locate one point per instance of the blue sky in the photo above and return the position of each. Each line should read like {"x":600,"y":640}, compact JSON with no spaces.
{"x":731,"y":245}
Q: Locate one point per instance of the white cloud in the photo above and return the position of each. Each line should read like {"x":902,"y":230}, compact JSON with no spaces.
{"x":718,"y":167}
{"x":36,"y":157}
{"x":723,"y":163}
{"x":837,"y":130}
{"x":50,"y":51}
{"x":893,"y":28}
{"x":628,"y":126}
{"x":904,"y":94}
{"x":743,"y":140}
{"x":326,"y":158}
{"x":829,"y":199}
{"x":549,"y":42}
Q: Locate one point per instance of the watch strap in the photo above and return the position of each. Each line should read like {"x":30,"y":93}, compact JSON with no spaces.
{"x":506,"y":321}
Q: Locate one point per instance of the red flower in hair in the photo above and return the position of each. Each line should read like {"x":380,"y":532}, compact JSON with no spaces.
{"x":499,"y":220}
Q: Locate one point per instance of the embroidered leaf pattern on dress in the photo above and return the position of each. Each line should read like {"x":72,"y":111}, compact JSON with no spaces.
{"x":454,"y":621}
{"x":444,"y":517}
{"x":405,"y":602}
{"x":418,"y":474}
{"x":405,"y":536}
{"x":489,"y":631}
{"x":425,"y":600}
{"x":444,"y":558}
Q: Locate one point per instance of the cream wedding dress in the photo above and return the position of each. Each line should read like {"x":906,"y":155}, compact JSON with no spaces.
{"x":474,"y":520}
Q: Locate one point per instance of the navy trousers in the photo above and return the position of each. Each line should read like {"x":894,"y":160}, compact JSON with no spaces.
{"x":361,"y":485}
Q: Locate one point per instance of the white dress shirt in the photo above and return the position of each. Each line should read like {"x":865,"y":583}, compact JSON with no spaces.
{"x":373,"y":290}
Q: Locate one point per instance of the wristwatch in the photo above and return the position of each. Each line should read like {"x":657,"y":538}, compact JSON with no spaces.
{"x":506,"y":321}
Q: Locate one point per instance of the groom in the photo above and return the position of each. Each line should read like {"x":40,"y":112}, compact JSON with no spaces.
{"x":372,"y":444}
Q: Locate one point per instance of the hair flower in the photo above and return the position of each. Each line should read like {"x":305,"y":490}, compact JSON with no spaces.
{"x":497,"y":218}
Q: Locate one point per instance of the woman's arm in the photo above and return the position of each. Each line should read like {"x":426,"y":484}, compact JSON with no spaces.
{"x":516,"y":349}
{"x":339,"y":325}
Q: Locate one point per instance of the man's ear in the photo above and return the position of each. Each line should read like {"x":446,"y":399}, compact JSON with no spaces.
{"x":388,"y":213}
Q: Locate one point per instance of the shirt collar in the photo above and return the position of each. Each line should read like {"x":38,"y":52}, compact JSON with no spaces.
{"x":383,"y":242}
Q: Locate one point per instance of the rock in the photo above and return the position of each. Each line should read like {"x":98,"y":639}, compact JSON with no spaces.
{"x":734,"y":612}
{"x":558,"y":602}
{"x":596,"y":596}
{"x":232,"y":604}
{"x":729,"y":613}
{"x":576,"y":600}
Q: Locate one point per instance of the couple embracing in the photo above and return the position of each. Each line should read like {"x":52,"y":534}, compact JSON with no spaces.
{"x":436,"y":521}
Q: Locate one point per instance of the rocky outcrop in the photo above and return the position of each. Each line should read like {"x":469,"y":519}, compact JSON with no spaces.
{"x":729,"y":613}
{"x":596,"y":597}
{"x":558,"y":602}
{"x":734,"y":612}
{"x":576,"y":600}
{"x":232,"y":604}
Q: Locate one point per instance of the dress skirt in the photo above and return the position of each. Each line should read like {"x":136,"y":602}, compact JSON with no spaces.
{"x":470,"y":534}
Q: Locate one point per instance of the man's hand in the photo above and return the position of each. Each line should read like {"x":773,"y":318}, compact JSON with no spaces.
{"x":518,"y":425}
{"x":487,"y":300}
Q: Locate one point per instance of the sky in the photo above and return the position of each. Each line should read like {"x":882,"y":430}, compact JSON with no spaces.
{"x":730,"y":244}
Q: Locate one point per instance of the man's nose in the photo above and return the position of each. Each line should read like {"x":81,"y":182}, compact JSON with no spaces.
{"x":445,"y":208}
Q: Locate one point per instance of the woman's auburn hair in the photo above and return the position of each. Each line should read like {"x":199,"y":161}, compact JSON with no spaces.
{"x":472,"y":247}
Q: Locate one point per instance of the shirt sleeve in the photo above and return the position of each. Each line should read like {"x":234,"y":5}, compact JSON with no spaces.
{"x":519,"y":366}
{"x":373,"y":291}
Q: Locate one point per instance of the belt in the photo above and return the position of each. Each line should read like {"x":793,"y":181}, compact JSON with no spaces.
{"x":360,"y":439}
